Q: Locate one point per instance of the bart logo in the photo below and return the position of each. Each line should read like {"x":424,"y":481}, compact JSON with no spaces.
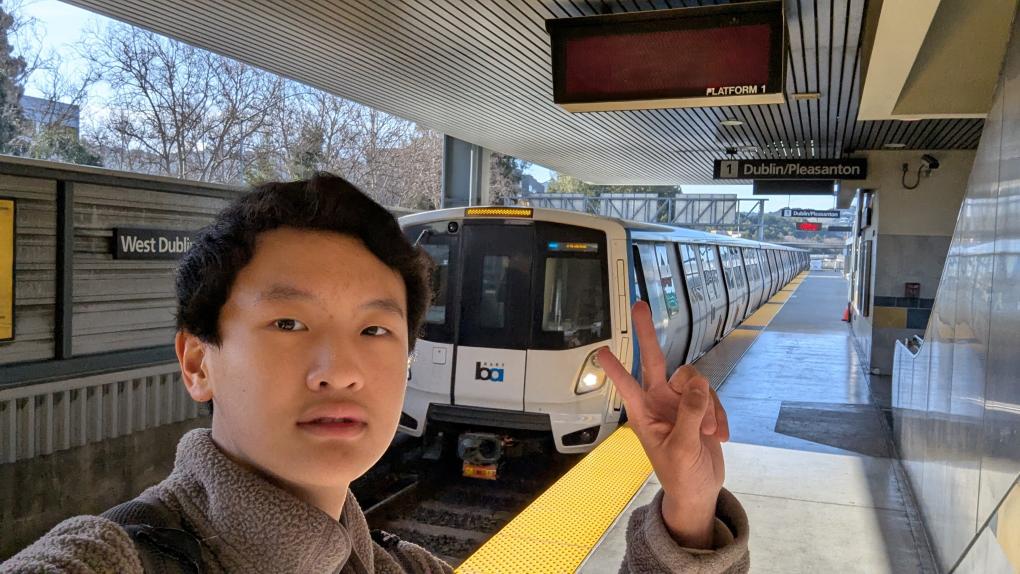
{"x":488,"y":373}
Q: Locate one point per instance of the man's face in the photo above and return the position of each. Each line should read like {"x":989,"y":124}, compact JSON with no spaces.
{"x":309,"y":378}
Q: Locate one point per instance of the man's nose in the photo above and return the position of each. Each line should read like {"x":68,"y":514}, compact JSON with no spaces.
{"x":337,"y":366}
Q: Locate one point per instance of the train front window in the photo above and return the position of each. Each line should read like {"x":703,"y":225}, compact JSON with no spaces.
{"x":494,"y":297}
{"x":571,"y":294}
{"x":439,"y":278}
{"x":571,"y":285}
{"x":441,"y":247}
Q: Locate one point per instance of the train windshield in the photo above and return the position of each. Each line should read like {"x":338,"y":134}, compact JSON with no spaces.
{"x":538,"y":285}
{"x":571,"y":298}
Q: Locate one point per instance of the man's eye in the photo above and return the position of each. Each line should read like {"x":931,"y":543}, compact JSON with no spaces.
{"x":376,"y":331}
{"x":290,"y":325}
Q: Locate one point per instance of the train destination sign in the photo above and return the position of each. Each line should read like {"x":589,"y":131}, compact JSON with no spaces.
{"x":791,"y":169}
{"x":791,"y":212}
{"x":153,"y":244}
{"x":730,"y":54}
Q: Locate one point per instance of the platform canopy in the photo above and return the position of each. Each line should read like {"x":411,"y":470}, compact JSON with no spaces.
{"x":480,"y":71}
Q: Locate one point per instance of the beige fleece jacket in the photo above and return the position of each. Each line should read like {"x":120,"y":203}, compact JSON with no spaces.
{"x":246,"y":524}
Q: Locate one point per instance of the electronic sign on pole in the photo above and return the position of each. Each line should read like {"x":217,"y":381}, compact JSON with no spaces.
{"x":724,"y":55}
{"x":809,"y":226}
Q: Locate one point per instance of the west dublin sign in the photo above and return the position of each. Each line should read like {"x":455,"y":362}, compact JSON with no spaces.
{"x":158,"y":244}
{"x":831,"y":169}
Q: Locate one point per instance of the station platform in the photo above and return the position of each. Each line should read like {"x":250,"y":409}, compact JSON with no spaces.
{"x":810,"y":458}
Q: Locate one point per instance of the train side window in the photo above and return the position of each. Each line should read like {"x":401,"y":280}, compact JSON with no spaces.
{"x":690,"y":264}
{"x":666,"y":279}
{"x":713,"y":279}
{"x":652,"y":282}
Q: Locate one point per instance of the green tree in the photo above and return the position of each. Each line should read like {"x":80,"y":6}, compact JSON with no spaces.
{"x":57,"y":143}
{"x":12,"y":70}
{"x":568,"y":184}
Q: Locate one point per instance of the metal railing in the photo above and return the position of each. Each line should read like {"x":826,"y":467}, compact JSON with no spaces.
{"x":48,"y":417}
{"x":691,"y":211}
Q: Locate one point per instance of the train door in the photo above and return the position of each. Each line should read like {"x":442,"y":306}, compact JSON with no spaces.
{"x":777,"y":279}
{"x":766,"y":288}
{"x":701,"y":313}
{"x":753,"y":275}
{"x":659,"y":274}
{"x":495,"y":315}
{"x":733,"y":294}
{"x":715,"y":289}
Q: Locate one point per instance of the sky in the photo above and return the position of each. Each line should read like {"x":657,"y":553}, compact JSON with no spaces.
{"x":60,"y":25}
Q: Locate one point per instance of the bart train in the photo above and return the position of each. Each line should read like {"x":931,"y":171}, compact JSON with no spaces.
{"x":524,"y":297}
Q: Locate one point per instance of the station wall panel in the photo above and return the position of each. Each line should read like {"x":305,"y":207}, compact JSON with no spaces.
{"x":34,"y":268}
{"x":957,"y":399}
{"x":125,"y":304}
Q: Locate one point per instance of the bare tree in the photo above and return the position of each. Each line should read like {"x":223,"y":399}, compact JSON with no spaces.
{"x":181,"y":111}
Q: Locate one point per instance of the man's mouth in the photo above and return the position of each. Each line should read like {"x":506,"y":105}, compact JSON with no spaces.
{"x":338,"y":420}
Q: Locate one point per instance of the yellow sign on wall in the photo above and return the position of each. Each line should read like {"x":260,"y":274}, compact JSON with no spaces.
{"x":6,"y":269}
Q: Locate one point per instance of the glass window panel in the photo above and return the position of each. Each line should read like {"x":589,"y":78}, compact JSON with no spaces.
{"x":571,"y":295}
{"x":440,"y":282}
{"x":666,"y":280}
{"x":494,"y":291}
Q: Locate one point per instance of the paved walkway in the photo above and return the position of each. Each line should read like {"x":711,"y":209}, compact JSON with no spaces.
{"x":809,"y":457}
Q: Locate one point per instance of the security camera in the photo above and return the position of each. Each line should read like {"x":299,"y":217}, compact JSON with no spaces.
{"x":930,"y":162}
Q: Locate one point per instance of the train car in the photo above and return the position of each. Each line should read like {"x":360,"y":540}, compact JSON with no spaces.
{"x":524,"y":297}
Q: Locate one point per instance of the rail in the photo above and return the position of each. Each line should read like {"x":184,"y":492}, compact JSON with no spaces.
{"x":41,"y":419}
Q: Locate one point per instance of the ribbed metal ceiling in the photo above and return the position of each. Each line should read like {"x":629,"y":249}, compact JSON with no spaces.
{"x":480,"y":71}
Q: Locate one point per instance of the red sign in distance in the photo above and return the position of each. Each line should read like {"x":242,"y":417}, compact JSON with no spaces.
{"x":809,"y":226}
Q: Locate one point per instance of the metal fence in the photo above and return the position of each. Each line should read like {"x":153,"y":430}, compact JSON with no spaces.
{"x":696,"y":211}
{"x":48,"y":417}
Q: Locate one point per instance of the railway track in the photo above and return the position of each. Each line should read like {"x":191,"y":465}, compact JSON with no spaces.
{"x":451,"y":515}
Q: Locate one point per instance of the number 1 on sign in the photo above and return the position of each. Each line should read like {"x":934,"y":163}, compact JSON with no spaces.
{"x":728,"y":169}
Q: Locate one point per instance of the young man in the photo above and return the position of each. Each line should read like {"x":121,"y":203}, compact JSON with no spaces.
{"x":297,"y":311}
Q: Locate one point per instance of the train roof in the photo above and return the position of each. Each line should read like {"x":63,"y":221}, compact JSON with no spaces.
{"x":638,"y":229}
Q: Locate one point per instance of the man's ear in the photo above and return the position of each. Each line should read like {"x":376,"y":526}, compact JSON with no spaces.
{"x":191,"y":354}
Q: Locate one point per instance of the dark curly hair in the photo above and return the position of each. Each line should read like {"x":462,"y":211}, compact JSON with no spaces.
{"x":323,"y":203}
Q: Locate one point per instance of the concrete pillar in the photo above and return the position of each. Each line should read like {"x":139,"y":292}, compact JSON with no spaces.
{"x":465,"y":173}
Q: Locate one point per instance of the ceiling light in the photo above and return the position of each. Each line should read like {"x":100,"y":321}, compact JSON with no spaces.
{"x":730,"y":122}
{"x":806,"y":95}
{"x":894,"y":145}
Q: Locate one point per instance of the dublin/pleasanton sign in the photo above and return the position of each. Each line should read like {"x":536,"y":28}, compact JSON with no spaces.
{"x":791,"y":169}
{"x":790,"y":212}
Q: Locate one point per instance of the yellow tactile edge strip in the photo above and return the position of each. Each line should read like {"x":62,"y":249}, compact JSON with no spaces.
{"x":557,"y":531}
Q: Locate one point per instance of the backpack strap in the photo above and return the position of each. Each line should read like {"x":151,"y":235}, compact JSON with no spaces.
{"x":164,"y":547}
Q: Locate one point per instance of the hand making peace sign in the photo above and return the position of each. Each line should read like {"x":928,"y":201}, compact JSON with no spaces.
{"x":681,"y":426}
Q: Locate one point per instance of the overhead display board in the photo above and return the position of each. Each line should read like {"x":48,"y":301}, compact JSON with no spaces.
{"x":791,"y":169}
{"x":793,"y":187}
{"x":809,"y":226}
{"x":7,"y":254}
{"x":725,"y":55}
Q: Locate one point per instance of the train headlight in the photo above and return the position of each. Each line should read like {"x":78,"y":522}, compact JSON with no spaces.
{"x":592,"y":377}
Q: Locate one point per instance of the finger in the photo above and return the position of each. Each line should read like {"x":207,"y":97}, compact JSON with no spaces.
{"x":678,"y":382}
{"x":653,"y":364}
{"x":694,"y":402}
{"x":722,"y":431}
{"x":625,"y":384}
